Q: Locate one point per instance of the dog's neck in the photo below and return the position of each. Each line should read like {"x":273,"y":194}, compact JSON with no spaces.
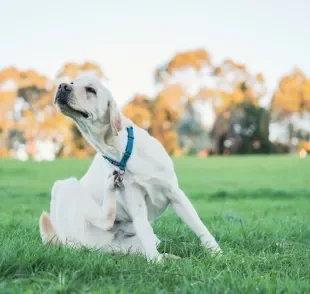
{"x":100,"y":136}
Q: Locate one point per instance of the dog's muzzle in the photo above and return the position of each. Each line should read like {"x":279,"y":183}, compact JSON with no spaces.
{"x":63,"y":93}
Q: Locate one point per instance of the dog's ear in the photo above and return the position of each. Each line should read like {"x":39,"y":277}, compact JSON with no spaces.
{"x":115,"y":117}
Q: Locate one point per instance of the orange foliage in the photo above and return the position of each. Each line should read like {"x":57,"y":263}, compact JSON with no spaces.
{"x":157,"y":116}
{"x":167,"y":110}
{"x":40,"y":120}
{"x":72,"y":70}
{"x":139,"y":111}
{"x":293,"y":94}
{"x":193,"y":58}
{"x":234,"y":84}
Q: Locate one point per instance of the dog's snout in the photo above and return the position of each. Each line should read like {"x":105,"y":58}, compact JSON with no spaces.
{"x":63,"y":93}
{"x":65,"y":87}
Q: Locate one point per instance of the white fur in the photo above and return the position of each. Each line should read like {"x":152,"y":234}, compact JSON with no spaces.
{"x":77,"y":221}
{"x":150,"y":180}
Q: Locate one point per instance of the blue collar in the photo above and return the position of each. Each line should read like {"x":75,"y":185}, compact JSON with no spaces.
{"x":128,"y":150}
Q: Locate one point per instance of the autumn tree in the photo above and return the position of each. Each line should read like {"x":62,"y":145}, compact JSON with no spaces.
{"x":205,"y":90}
{"x":233,"y":84}
{"x":195,"y":60}
{"x":290,"y":110}
{"x":71,"y":71}
{"x":152,"y":116}
{"x":27,"y":114}
{"x":139,"y":110}
{"x":13,"y":106}
{"x":292,"y":95}
{"x":179,"y":81}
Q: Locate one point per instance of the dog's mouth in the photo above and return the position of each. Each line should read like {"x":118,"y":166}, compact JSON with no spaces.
{"x":82,"y":113}
{"x":67,"y":109}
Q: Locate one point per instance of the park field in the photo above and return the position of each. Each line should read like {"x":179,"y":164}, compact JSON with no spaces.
{"x":257,"y":207}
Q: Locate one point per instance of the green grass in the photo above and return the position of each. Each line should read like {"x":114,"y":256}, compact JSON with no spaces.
{"x":251,"y":205}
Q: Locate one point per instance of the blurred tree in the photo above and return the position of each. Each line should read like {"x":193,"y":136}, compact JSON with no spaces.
{"x":243,"y":129}
{"x":179,"y":81}
{"x":139,"y":110}
{"x":290,"y":110}
{"x":15,"y":137}
{"x":26,"y":99}
{"x":292,"y":95}
{"x":205,"y":91}
{"x":149,"y":115}
{"x":192,"y":59}
{"x":71,"y":71}
{"x":234,"y":84}
{"x":194,"y":97}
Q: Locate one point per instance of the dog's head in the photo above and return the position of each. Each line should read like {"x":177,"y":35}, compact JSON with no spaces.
{"x":87,"y":102}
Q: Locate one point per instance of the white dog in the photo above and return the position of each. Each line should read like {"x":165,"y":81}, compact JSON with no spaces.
{"x":150,"y":180}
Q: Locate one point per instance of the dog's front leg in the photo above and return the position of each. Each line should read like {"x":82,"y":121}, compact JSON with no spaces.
{"x":137,"y":209}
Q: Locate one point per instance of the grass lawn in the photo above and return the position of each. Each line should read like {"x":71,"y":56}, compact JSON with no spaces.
{"x":258,"y":208}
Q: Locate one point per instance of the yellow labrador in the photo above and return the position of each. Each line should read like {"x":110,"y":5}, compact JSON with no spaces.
{"x":150,"y":180}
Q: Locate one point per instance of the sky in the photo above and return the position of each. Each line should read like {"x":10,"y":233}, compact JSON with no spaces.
{"x":129,"y":39}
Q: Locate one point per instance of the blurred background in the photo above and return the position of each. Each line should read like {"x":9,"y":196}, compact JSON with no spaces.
{"x":204,"y":77}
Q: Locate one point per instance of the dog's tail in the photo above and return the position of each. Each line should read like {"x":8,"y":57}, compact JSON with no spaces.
{"x":47,"y":231}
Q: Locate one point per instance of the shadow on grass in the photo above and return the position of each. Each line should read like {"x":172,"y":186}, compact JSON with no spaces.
{"x":270,"y":194}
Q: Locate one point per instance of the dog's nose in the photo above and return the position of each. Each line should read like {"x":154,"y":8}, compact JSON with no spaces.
{"x":63,"y":93}
{"x":65,"y":87}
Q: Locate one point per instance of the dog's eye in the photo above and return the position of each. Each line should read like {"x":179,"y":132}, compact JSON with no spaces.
{"x":90,"y":90}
